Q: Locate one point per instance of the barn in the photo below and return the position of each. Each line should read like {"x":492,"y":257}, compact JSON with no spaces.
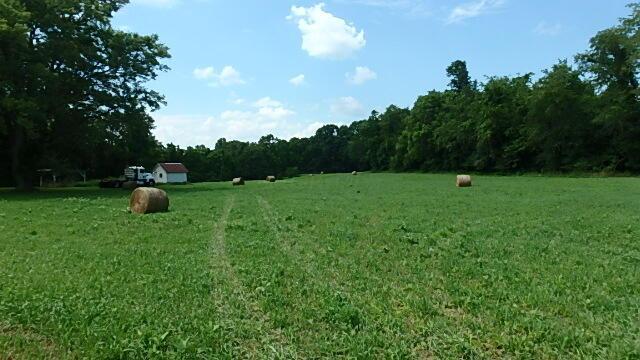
{"x":170,"y":173}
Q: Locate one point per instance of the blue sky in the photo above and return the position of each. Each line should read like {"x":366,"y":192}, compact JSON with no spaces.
{"x":247,"y":68}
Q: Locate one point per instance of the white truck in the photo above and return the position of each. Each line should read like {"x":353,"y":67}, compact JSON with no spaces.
{"x":133,"y":175}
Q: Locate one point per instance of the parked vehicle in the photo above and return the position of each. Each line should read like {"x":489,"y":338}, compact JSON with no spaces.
{"x":133,"y":176}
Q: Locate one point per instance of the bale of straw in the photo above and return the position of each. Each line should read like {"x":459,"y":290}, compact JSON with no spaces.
{"x":463,"y":181}
{"x":238,"y":181}
{"x":271,"y":178}
{"x":321,"y":172}
{"x":354,"y":173}
{"x":145,"y":200}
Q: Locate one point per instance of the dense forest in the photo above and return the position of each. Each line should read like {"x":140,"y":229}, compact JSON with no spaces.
{"x":582,"y":115}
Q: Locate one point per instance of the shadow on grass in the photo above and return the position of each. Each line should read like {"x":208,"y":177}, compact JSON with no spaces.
{"x":10,"y":194}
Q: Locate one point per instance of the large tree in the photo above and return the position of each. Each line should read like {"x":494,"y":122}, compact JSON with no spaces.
{"x":71,"y":85}
{"x":561,"y":112}
{"x":613,"y":61}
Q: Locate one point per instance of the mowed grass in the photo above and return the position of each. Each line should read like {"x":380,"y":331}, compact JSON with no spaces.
{"x":367,"y":266}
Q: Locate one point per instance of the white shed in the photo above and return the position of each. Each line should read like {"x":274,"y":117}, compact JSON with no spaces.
{"x":171,"y":173}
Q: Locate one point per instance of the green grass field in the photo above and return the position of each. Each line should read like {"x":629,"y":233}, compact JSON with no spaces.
{"x":368,"y":266}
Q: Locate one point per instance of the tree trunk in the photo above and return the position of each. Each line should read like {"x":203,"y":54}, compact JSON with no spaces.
{"x":19,"y":168}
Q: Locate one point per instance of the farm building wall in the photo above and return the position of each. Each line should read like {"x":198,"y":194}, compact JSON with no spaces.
{"x":160,"y":175}
{"x":176,"y":177}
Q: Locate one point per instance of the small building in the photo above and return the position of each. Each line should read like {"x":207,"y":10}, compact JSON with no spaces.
{"x":170,"y":173}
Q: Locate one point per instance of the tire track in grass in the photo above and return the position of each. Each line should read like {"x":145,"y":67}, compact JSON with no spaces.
{"x":271,"y":216}
{"x":299,"y":253}
{"x":255,"y":338}
{"x":339,"y":282}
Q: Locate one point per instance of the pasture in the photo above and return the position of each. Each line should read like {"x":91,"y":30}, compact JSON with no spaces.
{"x":329,"y":266}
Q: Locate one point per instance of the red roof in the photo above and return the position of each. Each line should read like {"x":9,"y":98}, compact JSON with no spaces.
{"x":174,"y":167}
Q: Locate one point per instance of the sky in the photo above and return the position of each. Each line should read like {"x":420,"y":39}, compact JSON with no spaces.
{"x":247,"y":68}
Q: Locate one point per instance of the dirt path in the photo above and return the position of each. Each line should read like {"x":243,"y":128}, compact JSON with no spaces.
{"x":236,"y":303}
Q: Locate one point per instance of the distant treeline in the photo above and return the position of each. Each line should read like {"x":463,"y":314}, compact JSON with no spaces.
{"x":583,"y":116}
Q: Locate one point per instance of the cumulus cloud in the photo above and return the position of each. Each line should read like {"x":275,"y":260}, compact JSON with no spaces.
{"x":310,"y":129}
{"x":473,"y":9}
{"x":547,"y":29}
{"x":227,"y":77}
{"x":267,"y":102}
{"x":325,"y":35}
{"x":204,"y":73}
{"x":347,"y":106}
{"x":191,"y":130}
{"x":361,"y":75}
{"x":297,"y":80}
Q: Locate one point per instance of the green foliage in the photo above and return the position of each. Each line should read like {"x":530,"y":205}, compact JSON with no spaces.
{"x":332,"y":266}
{"x":566,"y":144}
{"x":67,"y":74}
{"x":613,"y":62}
{"x":459,"y":75}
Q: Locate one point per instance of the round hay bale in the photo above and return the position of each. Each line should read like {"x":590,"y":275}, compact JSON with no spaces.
{"x":354,"y":173}
{"x":238,"y":181}
{"x":147,"y":200}
{"x":463,"y":181}
{"x":271,"y":178}
{"x":321,"y":172}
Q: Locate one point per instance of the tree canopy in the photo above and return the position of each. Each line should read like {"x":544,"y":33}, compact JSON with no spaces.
{"x":72,"y":87}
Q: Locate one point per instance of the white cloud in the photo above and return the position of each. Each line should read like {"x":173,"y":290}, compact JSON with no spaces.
{"x":275,"y":113}
{"x":267,"y":102}
{"x":271,"y":109}
{"x":361,"y":75}
{"x":324,"y":35}
{"x":347,"y":106}
{"x":156,"y":3}
{"x":185,"y":130}
{"x":310,"y":129}
{"x":227,"y":77}
{"x":191,"y":130}
{"x":297,"y":80}
{"x":473,"y":9}
{"x":204,"y":73}
{"x":547,"y":29}
{"x":230,"y":76}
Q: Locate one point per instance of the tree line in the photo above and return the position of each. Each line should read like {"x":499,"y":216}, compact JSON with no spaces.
{"x":580,"y":116}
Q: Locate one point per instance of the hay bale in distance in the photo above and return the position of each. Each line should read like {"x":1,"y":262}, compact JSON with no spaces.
{"x":354,"y":173}
{"x":463,"y":181}
{"x":271,"y":178}
{"x":145,"y":200}
{"x":238,"y":181}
